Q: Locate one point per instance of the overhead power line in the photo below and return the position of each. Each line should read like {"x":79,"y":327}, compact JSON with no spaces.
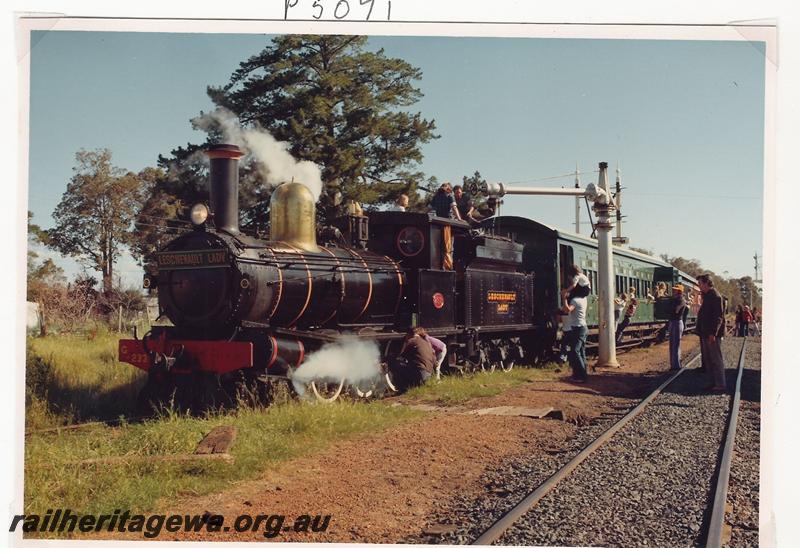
{"x":570,"y":174}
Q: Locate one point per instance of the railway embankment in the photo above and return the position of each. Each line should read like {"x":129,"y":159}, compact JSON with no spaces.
{"x":383,"y":485}
{"x":381,"y":469}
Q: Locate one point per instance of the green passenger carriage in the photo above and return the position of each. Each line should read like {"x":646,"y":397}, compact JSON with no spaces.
{"x":548,"y":253}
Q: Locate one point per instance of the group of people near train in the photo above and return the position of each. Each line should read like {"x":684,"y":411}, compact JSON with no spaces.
{"x":745,"y":320}
{"x":710,"y":325}
{"x":449,"y":202}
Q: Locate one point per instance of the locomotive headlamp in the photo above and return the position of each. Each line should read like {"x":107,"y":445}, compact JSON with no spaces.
{"x":199,"y":214}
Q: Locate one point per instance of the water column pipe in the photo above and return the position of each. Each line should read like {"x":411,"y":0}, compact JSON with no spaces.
{"x":604,"y":208}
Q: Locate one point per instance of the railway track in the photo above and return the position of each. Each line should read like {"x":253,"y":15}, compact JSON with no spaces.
{"x":639,"y":502}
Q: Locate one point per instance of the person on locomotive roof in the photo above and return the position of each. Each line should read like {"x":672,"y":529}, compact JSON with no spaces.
{"x":401,"y":204}
{"x":439,"y":350}
{"x":444,"y":203}
{"x":417,"y":361}
{"x":579,"y":283}
{"x":465,"y":205}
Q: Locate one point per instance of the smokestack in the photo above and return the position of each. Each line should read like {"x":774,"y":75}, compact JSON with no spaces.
{"x":224,"y":186}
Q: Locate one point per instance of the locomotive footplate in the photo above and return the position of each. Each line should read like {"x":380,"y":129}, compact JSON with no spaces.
{"x":185,"y":356}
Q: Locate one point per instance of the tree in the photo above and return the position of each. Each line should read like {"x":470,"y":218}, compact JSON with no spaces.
{"x":737,"y":291}
{"x":691,"y":266}
{"x":643,"y":251}
{"x":41,"y":275}
{"x":338,"y":106}
{"x":479,"y":200}
{"x":162,"y":214}
{"x":95,"y":216}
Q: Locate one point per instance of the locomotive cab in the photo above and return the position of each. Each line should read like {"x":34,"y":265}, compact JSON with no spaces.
{"x":425,"y":247}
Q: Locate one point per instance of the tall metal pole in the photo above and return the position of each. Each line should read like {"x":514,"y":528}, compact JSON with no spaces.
{"x":577,"y":201}
{"x":755,"y":258}
{"x":605,"y":274}
{"x":619,"y":205}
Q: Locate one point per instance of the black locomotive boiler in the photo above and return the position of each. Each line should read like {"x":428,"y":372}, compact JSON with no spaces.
{"x":244,"y":310}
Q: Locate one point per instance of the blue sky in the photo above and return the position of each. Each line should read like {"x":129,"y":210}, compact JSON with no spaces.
{"x":683,"y":118}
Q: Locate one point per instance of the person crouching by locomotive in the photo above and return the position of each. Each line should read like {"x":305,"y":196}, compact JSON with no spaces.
{"x":710,"y":328}
{"x":416,"y":362}
{"x":439,"y":350}
{"x":576,"y":331}
{"x":677,"y":321}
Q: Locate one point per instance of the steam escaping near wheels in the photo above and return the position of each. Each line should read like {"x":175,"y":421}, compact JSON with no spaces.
{"x":350,"y":360}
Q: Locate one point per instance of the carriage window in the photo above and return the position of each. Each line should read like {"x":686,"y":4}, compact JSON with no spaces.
{"x":565,"y":260}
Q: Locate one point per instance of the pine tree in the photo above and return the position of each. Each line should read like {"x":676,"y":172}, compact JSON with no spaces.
{"x":339,"y":106}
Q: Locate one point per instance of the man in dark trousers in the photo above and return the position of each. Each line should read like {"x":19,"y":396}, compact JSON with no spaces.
{"x":710,"y":327}
{"x":417,"y":364}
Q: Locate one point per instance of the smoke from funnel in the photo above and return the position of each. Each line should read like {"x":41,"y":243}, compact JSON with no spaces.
{"x":275,"y":164}
{"x":354,"y":360}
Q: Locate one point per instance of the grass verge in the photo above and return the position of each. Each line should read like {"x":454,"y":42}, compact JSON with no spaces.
{"x":70,"y":379}
{"x":456,"y":389}
{"x":55,"y":479}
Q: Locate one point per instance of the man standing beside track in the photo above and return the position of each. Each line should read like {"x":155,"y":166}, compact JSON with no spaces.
{"x":576,"y":331}
{"x":710,"y":321}
{"x":677,"y":321}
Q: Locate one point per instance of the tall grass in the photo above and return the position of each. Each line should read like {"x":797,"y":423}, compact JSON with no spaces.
{"x":72,"y":378}
{"x":54,"y":478}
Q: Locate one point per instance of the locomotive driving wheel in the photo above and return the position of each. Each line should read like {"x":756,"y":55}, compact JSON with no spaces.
{"x":326,"y":392}
{"x":506,"y":365}
{"x":487,"y":366}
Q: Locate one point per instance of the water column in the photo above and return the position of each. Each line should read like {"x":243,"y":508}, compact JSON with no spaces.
{"x":603,"y":208}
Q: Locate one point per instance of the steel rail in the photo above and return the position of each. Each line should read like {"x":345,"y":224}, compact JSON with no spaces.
{"x":717,"y":522}
{"x":507,"y":520}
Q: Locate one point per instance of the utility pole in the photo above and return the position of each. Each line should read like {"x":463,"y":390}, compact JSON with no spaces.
{"x":619,"y":239}
{"x":603,"y":208}
{"x":755,"y":258}
{"x":577,"y":201}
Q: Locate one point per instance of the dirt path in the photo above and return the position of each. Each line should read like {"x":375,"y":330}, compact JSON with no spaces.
{"x":382,"y":487}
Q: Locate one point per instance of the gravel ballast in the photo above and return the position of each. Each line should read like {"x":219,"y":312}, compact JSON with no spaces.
{"x":649,"y":485}
{"x":743,"y":488}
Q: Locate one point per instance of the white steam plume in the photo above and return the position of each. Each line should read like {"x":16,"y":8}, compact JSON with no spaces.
{"x":352,"y":359}
{"x":275,"y":164}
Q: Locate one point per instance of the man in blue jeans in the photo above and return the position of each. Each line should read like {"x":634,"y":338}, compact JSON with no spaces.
{"x":576,"y":331}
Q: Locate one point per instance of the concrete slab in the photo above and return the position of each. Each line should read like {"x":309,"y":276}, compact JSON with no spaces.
{"x":514,"y":411}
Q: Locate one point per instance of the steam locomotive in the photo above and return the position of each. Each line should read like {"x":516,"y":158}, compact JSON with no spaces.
{"x":245,"y":311}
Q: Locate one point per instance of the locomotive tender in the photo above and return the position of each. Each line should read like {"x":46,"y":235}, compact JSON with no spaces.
{"x":244,"y":310}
